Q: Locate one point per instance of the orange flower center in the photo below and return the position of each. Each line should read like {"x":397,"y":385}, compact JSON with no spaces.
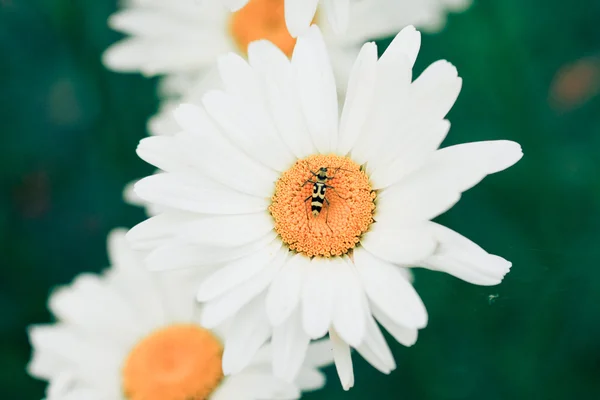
{"x":180,"y":362}
{"x":322,"y":205}
{"x":261,"y":19}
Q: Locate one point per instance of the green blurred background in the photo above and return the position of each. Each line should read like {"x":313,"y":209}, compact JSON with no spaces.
{"x":531,"y":72}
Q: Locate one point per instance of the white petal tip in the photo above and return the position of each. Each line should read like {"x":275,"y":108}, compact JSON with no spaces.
{"x":501,"y":268}
{"x":508,"y":153}
{"x":353,"y":337}
{"x":315,"y":335}
{"x":409,"y":28}
{"x":112,"y":59}
{"x":182,"y":110}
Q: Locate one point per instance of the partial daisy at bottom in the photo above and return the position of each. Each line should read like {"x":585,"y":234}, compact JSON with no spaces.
{"x":130,"y":334}
{"x":314,"y":216}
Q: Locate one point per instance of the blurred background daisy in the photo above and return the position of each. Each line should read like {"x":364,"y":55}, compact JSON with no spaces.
{"x":131,"y":334}
{"x":531,"y":74}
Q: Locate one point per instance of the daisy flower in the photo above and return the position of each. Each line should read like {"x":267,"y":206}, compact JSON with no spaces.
{"x":129,"y":334}
{"x":318,"y":210}
{"x":183,"y":38}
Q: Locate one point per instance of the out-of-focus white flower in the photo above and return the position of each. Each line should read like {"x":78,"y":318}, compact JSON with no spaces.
{"x":314,"y":216}
{"x":183,"y":38}
{"x":130,"y":335}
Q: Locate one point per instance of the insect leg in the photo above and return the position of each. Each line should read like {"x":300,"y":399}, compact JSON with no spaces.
{"x":336,"y":192}
{"x":307,"y":181}
{"x":307,"y":218}
{"x":327,"y":215}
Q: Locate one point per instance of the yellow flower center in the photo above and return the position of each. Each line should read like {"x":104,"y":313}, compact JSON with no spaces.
{"x":261,"y":19}
{"x":322,"y":205}
{"x":179,"y":362}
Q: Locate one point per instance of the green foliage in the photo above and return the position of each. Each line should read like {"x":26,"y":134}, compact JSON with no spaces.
{"x":69,"y":129}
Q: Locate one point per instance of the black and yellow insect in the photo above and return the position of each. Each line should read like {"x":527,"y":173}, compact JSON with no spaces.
{"x":320,"y":187}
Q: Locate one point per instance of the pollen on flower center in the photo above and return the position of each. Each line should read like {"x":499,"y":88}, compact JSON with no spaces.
{"x":261,"y":19}
{"x":317,"y":225}
{"x":179,"y":362}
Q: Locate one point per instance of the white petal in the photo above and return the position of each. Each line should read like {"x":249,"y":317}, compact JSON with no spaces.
{"x":419,"y":197}
{"x":177,"y":89}
{"x":254,"y":385}
{"x":388,"y":110}
{"x":216,"y":311}
{"x":243,"y":115}
{"x":281,"y":98}
{"x":413,"y":149}
{"x":417,"y":128}
{"x":343,"y":360}
{"x":387,"y":288}
{"x":402,"y":334}
{"x":407,"y":43}
{"x":318,"y":293}
{"x":350,"y":303}
{"x":183,"y":255}
{"x":239,"y":78}
{"x":337,"y":12}
{"x":310,"y":379}
{"x":237,"y":272}
{"x":44,"y":363}
{"x":196,"y":193}
{"x":248,"y":332}
{"x":436,"y":89}
{"x":460,"y":257}
{"x":149,"y":22}
{"x":157,"y":230}
{"x":152,"y":57}
{"x":320,"y":353}
{"x":229,"y":389}
{"x":60,"y":346}
{"x":359,"y":97}
{"x":375,"y":349}
{"x":162,"y":152}
{"x":316,"y":88}
{"x":60,"y":386}
{"x":85,"y":304}
{"x":465,"y":165}
{"x":299,"y":15}
{"x":127,"y":267}
{"x":285,"y":290}
{"x":205,"y":147}
{"x":249,"y":129}
{"x":227,"y":230}
{"x":130,"y":197}
{"x":401,"y":245}
{"x":120,"y":254}
{"x":290,"y":344}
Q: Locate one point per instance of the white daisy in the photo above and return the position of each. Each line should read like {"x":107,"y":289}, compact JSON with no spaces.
{"x":240,"y":178}
{"x":129,"y":334}
{"x":183,"y":38}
